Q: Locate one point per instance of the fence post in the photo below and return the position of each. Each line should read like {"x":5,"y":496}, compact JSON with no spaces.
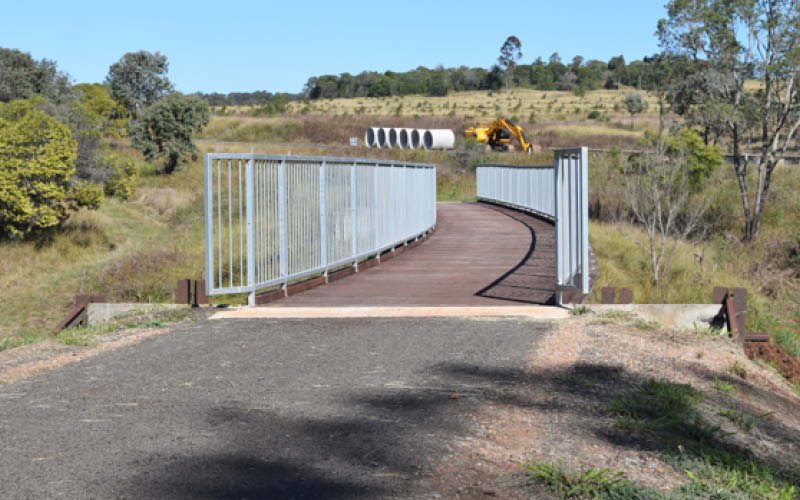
{"x":353,"y":215}
{"x":250,"y":196}
{"x":284,"y":254}
{"x":323,"y":220}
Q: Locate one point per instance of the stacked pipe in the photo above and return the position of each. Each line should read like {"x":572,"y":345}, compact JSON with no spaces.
{"x":409,"y":138}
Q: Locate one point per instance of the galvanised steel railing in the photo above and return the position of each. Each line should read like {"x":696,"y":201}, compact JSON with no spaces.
{"x":559,"y":192}
{"x":274,"y":219}
{"x":527,"y":187}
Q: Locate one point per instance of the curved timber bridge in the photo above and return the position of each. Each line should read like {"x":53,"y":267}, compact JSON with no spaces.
{"x":277,"y":226}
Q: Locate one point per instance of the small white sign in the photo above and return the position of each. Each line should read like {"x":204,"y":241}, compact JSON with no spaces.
{"x":354,"y":141}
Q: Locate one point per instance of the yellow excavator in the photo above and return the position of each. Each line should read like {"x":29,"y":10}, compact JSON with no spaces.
{"x":498,"y":136}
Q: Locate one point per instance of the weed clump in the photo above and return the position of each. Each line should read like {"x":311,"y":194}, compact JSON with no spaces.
{"x":668,"y":414}
{"x":587,"y":483}
{"x":143,"y":277}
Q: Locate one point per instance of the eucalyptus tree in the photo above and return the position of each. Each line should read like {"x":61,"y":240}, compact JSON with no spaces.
{"x":510,"y":53}
{"x":740,"y":41}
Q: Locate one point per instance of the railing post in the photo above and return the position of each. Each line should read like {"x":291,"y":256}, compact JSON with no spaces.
{"x":558,"y":219}
{"x":323,"y":220}
{"x":209,"y":215}
{"x":584,"y":207}
{"x":250,"y":215}
{"x":284,"y":254}
{"x":353,"y":199}
{"x":393,"y":208}
{"x":434,"y":218}
{"x":376,"y":216}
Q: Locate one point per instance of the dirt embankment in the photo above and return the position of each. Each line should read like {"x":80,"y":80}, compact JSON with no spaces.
{"x":557,"y":411}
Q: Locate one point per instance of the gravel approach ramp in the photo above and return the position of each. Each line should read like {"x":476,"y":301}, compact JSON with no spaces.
{"x":300,"y":409}
{"x":479,"y":255}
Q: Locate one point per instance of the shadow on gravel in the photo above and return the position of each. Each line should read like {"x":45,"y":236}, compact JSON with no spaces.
{"x":380,"y":448}
{"x":261,"y":454}
{"x":238,"y":476}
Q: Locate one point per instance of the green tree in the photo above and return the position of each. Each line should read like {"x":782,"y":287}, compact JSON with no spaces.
{"x":437,"y":84}
{"x":21,"y":77}
{"x":37,"y":156}
{"x":739,"y":41}
{"x":123,"y":175}
{"x":510,"y":53}
{"x":139,"y":79}
{"x":164,"y":130}
{"x":97,"y":99}
{"x":616,"y":65}
{"x":634,"y":103}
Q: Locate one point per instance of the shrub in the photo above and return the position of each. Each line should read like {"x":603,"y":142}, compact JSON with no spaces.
{"x":37,"y":154}
{"x":593,"y":115}
{"x":85,"y":194}
{"x":123,"y":176}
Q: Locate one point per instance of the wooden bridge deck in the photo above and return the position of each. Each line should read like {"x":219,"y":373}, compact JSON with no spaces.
{"x":479,"y":255}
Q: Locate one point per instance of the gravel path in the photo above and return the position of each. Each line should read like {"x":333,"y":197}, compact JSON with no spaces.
{"x":349,"y":408}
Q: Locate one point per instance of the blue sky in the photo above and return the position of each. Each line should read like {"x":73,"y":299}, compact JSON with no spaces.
{"x":233,"y":45}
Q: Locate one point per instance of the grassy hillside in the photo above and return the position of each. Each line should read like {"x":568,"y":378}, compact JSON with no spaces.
{"x":554,"y":118}
{"x":550,"y":105}
{"x":128,"y":250}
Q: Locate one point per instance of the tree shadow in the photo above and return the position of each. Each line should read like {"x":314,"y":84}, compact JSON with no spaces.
{"x":237,"y":476}
{"x":387,"y":442}
{"x":606,"y":397}
{"x":532,"y":279}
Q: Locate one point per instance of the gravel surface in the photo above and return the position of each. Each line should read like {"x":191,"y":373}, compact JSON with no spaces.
{"x":350,"y":408}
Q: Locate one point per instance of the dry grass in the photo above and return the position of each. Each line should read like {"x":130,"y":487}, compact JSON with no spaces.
{"x":165,"y":200}
{"x":560,"y":117}
{"x":477,"y":104}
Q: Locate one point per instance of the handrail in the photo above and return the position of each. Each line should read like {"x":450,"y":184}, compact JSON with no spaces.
{"x":272,"y":219}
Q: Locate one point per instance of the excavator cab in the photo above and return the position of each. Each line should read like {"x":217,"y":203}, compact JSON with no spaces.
{"x":503,"y":135}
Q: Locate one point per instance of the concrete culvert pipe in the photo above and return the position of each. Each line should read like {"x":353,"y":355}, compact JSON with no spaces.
{"x":371,"y":137}
{"x":394,"y":137}
{"x":405,"y":138}
{"x":416,"y":137}
{"x":439,"y":138}
{"x":383,"y":137}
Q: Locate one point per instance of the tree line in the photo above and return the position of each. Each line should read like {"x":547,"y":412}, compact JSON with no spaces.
{"x":579,"y":75}
{"x":255,"y":98}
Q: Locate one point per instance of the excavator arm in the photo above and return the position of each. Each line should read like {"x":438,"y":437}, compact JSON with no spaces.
{"x":501,"y":131}
{"x":499,"y":134}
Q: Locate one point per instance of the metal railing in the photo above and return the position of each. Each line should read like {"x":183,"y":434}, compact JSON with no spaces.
{"x":271,"y":219}
{"x":559,"y":192}
{"x":529,"y":187}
